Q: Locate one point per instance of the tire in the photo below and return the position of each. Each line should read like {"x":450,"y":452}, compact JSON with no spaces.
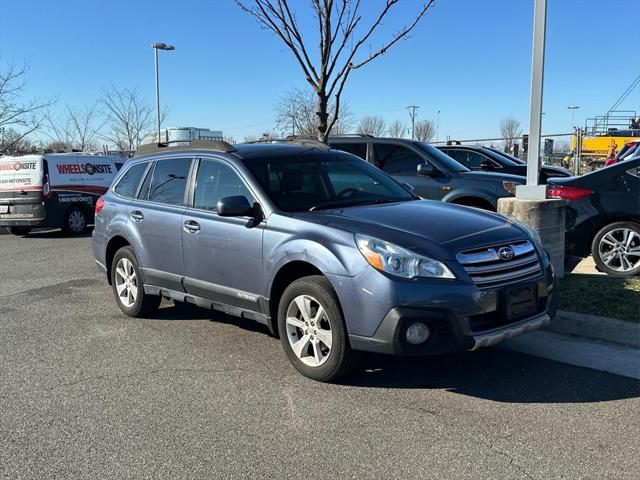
{"x":125,"y":274}
{"x":75,"y":221}
{"x":616,"y":249}
{"x":20,"y":231}
{"x":316,"y":359}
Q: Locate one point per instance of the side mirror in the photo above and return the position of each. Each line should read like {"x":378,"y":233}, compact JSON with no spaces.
{"x":486,"y":165}
{"x":234,"y":206}
{"x":426,"y":169}
{"x":408,"y":187}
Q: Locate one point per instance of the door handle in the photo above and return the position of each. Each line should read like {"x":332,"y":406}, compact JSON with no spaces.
{"x":191,"y":226}
{"x":136,"y":216}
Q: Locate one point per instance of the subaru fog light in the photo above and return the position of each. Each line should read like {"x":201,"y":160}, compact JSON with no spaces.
{"x":417,"y":333}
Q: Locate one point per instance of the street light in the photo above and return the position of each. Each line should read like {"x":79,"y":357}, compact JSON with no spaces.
{"x":573,"y":109}
{"x":438,"y":126}
{"x":156,"y":47}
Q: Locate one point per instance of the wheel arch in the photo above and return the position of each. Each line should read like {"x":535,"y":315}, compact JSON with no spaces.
{"x":114,"y":244}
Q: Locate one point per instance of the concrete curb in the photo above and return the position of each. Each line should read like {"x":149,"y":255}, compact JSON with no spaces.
{"x":597,"y":328}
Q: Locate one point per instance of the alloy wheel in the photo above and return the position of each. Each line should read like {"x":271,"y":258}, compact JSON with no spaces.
{"x":126,"y":282}
{"x":619,"y":249}
{"x":309,"y":330}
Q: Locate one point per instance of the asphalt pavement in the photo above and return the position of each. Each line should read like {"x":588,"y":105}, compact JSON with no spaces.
{"x":86,"y":392}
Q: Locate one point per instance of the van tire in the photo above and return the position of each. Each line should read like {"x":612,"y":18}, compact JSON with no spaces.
{"x":144,"y":304}
{"x":340,"y":359}
{"x":75,"y":221}
{"x":20,"y":231}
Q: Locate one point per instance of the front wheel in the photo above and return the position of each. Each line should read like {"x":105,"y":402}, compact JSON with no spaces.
{"x":75,"y":221}
{"x":128,"y":289}
{"x":616,"y":249}
{"x":312,"y":330}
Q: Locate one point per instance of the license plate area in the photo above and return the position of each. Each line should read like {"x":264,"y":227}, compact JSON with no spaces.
{"x":521,"y":301}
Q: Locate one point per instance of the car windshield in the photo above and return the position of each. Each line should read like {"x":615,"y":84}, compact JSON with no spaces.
{"x":499,"y":157}
{"x":442,"y":159}
{"x":516,"y":160}
{"x":324,"y":180}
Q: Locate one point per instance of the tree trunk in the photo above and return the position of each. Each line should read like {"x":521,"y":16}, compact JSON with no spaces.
{"x":323,"y":116}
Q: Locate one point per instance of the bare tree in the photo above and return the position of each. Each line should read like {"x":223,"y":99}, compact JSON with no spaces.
{"x":340,"y":36}
{"x":296,"y":114}
{"x":128,"y":117}
{"x":229,"y":139}
{"x":510,"y":130}
{"x":17,"y":115}
{"x":13,"y":142}
{"x":372,"y":125}
{"x":251,"y":138}
{"x":75,"y":128}
{"x":397,"y":129}
{"x":425,"y":131}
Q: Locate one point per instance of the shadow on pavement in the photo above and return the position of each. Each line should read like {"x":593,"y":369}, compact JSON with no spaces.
{"x":495,"y":374}
{"x":56,"y":233}
{"x":491,"y":373}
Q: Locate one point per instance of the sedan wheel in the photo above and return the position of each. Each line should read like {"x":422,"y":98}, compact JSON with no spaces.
{"x":616,"y":249}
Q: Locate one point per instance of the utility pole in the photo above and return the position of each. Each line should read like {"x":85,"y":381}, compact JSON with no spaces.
{"x":412,"y":114}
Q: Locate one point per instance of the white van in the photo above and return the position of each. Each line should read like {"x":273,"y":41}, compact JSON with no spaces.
{"x":54,"y":190}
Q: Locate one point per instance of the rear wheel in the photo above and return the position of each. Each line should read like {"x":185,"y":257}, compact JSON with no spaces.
{"x":19,"y":230}
{"x":312,"y":330}
{"x":616,"y":249}
{"x":75,"y":221}
{"x":128,"y":289}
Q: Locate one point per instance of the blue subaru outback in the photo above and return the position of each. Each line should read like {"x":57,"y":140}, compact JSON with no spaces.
{"x":329,"y":252}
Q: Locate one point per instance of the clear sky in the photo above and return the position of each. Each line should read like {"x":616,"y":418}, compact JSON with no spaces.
{"x":470,"y":59}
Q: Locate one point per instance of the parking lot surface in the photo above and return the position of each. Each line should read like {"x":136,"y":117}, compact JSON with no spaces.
{"x":86,"y":392}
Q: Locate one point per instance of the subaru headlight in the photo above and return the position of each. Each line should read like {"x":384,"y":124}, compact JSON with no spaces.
{"x":395,"y":260}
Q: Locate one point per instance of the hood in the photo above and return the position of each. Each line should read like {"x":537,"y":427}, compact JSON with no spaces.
{"x":483,"y":175}
{"x":423,"y":225}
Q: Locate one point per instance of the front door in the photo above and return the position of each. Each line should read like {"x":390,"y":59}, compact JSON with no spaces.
{"x":222,"y":255}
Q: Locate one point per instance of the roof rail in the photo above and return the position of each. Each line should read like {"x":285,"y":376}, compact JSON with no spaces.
{"x":454,"y":142}
{"x":307,"y":142}
{"x":214,"y":145}
{"x":366,"y":135}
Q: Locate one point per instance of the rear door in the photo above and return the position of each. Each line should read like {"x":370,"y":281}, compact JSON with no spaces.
{"x":21,"y":182}
{"x":155,"y":220}
{"x":402,"y":163}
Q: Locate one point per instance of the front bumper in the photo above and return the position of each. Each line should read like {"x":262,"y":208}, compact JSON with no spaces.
{"x":459,"y":316}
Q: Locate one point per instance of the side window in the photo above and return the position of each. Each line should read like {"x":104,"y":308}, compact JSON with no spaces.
{"x":459,"y":156}
{"x":357,"y":149}
{"x":128,"y":183}
{"x":169,"y":181}
{"x":118,"y":165}
{"x":475,"y":159}
{"x":216,"y":180}
{"x":396,"y":159}
{"x":143,"y":193}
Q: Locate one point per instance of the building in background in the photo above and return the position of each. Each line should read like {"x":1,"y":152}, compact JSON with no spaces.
{"x":184,"y":134}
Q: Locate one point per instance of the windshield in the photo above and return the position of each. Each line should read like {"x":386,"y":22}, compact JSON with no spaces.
{"x":442,"y":159}
{"x":324,"y":180}
{"x":516,"y":160}
{"x":504,"y":159}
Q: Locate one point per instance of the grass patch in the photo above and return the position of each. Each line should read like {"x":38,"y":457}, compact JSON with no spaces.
{"x":601,"y":295}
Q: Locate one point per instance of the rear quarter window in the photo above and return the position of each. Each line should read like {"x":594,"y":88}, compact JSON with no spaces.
{"x":127,"y":186}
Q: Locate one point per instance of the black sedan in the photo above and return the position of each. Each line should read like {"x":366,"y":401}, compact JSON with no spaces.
{"x":483,"y":158}
{"x":603,"y":216}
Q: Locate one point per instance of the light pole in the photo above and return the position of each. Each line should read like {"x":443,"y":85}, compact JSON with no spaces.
{"x":438,"y":126}
{"x":156,"y":47}
{"x":573,"y":109}
{"x":412,"y":114}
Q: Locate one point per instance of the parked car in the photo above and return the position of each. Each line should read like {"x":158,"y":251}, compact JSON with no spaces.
{"x":603,"y":216}
{"x":56,"y":190}
{"x":433,"y":174}
{"x":481,"y":158}
{"x":323,"y":248}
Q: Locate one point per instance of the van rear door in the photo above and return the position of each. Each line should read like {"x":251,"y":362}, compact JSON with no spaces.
{"x":21,"y":180}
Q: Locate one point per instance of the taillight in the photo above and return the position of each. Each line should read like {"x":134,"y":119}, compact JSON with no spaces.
{"x":46,"y":188}
{"x":567,"y":193}
{"x":99,"y":205}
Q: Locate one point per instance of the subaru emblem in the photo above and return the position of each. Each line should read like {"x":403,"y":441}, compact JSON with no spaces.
{"x":506,"y":253}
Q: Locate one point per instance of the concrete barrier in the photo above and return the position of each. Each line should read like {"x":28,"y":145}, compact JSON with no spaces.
{"x":547,"y":217}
